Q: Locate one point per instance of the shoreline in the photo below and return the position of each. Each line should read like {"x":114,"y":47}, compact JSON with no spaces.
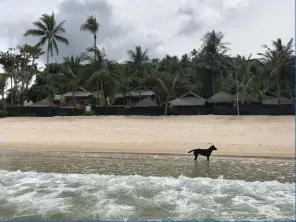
{"x":143,"y":153}
{"x":245,"y":136}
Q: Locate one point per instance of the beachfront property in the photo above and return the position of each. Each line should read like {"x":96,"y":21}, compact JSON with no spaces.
{"x":136,"y":97}
{"x":145,"y":102}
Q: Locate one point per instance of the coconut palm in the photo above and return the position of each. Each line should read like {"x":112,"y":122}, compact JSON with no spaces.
{"x":91,"y":25}
{"x":49,"y":32}
{"x":107,"y":73}
{"x":138,"y":64}
{"x":279,"y":60}
{"x":165,"y":84}
{"x":3,"y":83}
{"x":74,"y":62}
{"x":241,"y":77}
{"x":213,"y":54}
{"x":70,"y":78}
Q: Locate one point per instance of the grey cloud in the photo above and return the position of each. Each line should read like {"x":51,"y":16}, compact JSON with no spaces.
{"x":186,"y":11}
{"x":75,"y":13}
{"x":191,"y":27}
{"x":115,"y":36}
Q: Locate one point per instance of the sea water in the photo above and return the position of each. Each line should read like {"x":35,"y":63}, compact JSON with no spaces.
{"x":80,"y":186}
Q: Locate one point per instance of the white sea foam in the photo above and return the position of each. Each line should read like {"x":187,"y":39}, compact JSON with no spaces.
{"x":88,"y":196}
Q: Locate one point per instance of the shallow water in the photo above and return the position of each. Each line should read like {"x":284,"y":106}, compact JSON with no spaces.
{"x":76,"y":186}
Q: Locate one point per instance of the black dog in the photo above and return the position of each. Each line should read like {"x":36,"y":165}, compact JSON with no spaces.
{"x":203,"y":152}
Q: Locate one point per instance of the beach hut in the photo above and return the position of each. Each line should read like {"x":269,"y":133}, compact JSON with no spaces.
{"x":147,"y":102}
{"x":82,"y":97}
{"x":243,"y":98}
{"x":187,"y":100}
{"x":221,"y":97}
{"x":132,"y":97}
{"x":273,"y":100}
{"x":43,"y":103}
{"x":221,"y":103}
{"x":136,"y":95}
{"x":187,"y":104}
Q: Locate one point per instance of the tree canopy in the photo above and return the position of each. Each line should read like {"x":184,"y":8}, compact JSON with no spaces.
{"x":205,"y":70}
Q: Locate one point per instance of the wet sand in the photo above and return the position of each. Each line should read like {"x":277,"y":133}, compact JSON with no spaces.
{"x":268,"y":136}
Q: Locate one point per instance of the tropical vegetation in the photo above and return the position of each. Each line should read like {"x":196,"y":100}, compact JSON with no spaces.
{"x":204,"y":71}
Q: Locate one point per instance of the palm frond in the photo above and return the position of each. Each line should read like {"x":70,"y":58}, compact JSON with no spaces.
{"x":59,"y":28}
{"x":91,"y":25}
{"x":55,"y":46}
{"x":34,"y":32}
{"x":61,"y":39}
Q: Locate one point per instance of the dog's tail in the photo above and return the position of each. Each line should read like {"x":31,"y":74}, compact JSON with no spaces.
{"x":190,"y":151}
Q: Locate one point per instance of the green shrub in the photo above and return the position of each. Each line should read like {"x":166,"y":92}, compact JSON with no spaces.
{"x":3,"y":113}
{"x":90,"y":113}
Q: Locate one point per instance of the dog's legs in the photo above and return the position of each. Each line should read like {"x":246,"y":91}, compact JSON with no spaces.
{"x":195,"y":156}
{"x":208,"y":158}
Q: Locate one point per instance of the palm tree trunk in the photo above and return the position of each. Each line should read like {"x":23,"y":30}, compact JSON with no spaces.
{"x":11,"y":92}
{"x":95,"y":45}
{"x":74,"y":102}
{"x":139,"y":92}
{"x":98,"y":99}
{"x":47,"y":66}
{"x":278,"y":89}
{"x":103,"y":94}
{"x":3,"y":101}
{"x":166,"y":107}
{"x":213,"y":84}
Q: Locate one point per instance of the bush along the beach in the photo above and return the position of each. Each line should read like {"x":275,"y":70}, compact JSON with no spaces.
{"x":89,"y":113}
{"x":3,"y":113}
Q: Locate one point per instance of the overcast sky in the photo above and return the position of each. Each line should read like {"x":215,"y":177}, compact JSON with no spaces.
{"x":165,"y":27}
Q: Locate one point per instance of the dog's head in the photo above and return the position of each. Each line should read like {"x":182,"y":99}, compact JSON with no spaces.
{"x":213,"y":147}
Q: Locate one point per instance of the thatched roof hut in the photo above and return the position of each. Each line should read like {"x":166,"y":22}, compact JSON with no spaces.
{"x":221,"y":97}
{"x":273,"y":100}
{"x":147,"y":102}
{"x":43,"y":103}
{"x":188,"y":99}
{"x":244,"y":98}
{"x":81,"y":93}
{"x":143,"y":92}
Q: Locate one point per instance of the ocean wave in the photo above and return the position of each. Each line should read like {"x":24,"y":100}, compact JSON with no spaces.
{"x":32,"y":195}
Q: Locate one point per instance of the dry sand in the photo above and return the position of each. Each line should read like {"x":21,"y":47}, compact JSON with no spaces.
{"x":239,"y":136}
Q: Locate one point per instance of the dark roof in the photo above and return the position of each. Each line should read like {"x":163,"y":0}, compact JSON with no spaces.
{"x":42,"y":103}
{"x":135,"y":93}
{"x":272,"y":100}
{"x":147,"y":102}
{"x":221,"y":97}
{"x":189,"y":99}
{"x":81,"y":93}
{"x":244,"y":97}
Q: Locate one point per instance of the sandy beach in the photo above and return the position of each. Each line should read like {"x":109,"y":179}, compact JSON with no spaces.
{"x":267,"y":136}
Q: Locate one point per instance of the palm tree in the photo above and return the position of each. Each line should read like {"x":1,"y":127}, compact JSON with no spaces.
{"x":138,"y":64}
{"x":279,"y":61}
{"x":240,"y":79}
{"x":3,"y":83}
{"x":212,"y":53}
{"x":91,"y":25}
{"x":70,"y":78}
{"x":108,"y":73}
{"x":49,"y":33}
{"x":166,"y":84}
